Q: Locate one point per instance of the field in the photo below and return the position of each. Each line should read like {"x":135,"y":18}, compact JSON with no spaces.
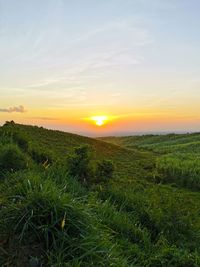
{"x":129,"y":201}
{"x":177,"y":156}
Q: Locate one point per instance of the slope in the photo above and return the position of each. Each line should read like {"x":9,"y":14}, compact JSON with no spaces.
{"x":178,"y":155}
{"x":49,"y":218}
{"x":127,"y":162}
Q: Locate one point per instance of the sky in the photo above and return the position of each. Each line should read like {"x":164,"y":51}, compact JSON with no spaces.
{"x":135,"y":61}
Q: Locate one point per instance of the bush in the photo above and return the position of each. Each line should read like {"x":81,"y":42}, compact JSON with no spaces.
{"x":9,"y":123}
{"x":40,"y":155}
{"x":12,"y":158}
{"x":12,"y":134}
{"x":20,"y":139}
{"x":79,"y":164}
{"x":104,"y":170}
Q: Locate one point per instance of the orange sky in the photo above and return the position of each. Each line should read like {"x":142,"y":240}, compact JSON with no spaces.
{"x":125,"y":123}
{"x":136,"y":62}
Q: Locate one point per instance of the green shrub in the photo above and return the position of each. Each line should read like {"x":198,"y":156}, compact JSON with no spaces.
{"x":40,"y":155}
{"x":9,"y":123}
{"x":12,"y":134}
{"x":79,"y":164}
{"x":104,"y":170}
{"x":12,"y":158}
{"x":20,"y":139}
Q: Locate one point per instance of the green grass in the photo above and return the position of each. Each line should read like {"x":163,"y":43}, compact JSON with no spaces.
{"x":177,"y":156}
{"x":50,"y":217}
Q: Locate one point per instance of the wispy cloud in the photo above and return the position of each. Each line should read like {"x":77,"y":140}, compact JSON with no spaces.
{"x":19,"y":109}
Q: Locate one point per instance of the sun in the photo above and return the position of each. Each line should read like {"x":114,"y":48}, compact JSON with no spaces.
{"x":99,"y":120}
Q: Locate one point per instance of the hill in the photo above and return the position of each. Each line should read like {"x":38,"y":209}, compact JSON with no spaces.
{"x":49,"y":217}
{"x":61,"y":144}
{"x":158,"y":143}
{"x":177,"y":155}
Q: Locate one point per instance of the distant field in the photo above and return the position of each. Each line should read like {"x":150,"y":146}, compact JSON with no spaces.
{"x":157,"y":143}
{"x":178,"y":155}
{"x":143,"y":216}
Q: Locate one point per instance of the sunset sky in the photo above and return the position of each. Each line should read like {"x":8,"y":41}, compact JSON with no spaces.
{"x":137,"y":62}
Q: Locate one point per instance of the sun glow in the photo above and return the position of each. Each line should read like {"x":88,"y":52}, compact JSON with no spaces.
{"x":99,"y":120}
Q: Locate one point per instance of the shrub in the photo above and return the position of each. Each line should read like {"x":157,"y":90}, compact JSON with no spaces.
{"x":79,"y":163}
{"x":9,"y":123}
{"x":12,"y":158}
{"x":104,"y":170}
{"x":40,"y":155}
{"x":20,"y":139}
{"x":12,"y":134}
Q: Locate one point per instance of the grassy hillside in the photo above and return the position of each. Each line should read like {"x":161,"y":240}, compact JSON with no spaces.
{"x":50,"y":217}
{"x":178,"y":156}
{"x":61,"y":144}
{"x":157,"y":143}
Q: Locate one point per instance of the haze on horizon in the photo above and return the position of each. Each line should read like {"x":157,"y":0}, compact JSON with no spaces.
{"x":135,"y":61}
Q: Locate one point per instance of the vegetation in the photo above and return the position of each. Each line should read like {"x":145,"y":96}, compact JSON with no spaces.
{"x":177,"y":156}
{"x":105,"y":169}
{"x":68,"y":200}
{"x":79,"y":164}
{"x":12,"y":158}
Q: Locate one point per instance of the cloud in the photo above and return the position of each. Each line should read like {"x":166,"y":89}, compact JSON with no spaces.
{"x":19,"y":109}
